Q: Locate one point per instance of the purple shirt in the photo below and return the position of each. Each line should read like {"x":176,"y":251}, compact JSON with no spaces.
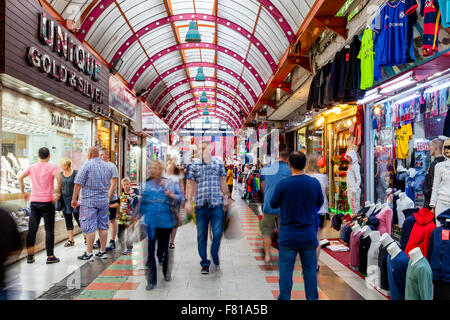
{"x":354,"y":248}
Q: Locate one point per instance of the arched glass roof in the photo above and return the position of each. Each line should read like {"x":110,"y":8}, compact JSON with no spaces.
{"x":242,"y":42}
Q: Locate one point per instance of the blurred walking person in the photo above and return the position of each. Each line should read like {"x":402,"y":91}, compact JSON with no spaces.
{"x":207,"y":180}
{"x":299,"y":197}
{"x":312,"y":169}
{"x":43,"y":197}
{"x":94,"y":179}
{"x":68,"y":183}
{"x":175,"y":175}
{"x":155,"y":205}
{"x":230,"y":178}
{"x":270,"y":176}
{"x":10,"y":244}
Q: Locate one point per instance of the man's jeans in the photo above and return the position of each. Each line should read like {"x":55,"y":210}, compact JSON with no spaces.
{"x":203,"y":216}
{"x":40,"y":210}
{"x":286,"y":262}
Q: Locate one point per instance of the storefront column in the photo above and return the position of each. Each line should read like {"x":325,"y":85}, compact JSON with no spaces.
{"x":369,"y":165}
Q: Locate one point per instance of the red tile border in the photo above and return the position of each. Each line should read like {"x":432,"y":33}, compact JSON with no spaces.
{"x":129,"y":286}
{"x":104,"y":286}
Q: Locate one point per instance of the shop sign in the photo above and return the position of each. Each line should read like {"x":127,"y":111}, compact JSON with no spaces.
{"x":103,"y":111}
{"x":61,"y":121}
{"x":122,"y":99}
{"x":52,"y":35}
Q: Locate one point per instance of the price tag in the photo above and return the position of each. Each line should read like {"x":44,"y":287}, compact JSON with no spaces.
{"x":445,"y":234}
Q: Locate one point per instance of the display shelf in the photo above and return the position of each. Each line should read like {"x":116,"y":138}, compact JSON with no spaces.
{"x":11,"y":196}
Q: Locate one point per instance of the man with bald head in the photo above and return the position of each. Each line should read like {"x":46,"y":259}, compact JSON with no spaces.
{"x":94,"y":181}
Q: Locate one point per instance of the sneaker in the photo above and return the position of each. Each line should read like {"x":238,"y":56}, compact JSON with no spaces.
{"x":101,"y":255}
{"x":97,"y":244}
{"x":150,"y":286}
{"x":127,"y":252}
{"x":30,"y":259}
{"x":52,"y":260}
{"x":86,"y":256}
{"x":205,"y":270}
{"x":167,"y":278}
{"x":111,"y":246}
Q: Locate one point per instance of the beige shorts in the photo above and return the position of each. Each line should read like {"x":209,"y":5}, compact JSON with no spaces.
{"x":268,"y":224}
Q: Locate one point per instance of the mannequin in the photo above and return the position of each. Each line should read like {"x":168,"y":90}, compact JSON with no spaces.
{"x":354,"y":246}
{"x":419,"y":277}
{"x":385,"y":241}
{"x":397,"y":265}
{"x":393,"y":250}
{"x":378,"y":206}
{"x":373,"y":271}
{"x":353,"y":182}
{"x":367,"y":204}
{"x":440,"y":196}
{"x":371,"y":210}
{"x":404,"y":202}
{"x":364,"y":245}
{"x":415,"y":255}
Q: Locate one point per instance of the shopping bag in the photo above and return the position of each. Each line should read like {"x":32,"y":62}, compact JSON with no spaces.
{"x":232,"y":225}
{"x":136,"y":232}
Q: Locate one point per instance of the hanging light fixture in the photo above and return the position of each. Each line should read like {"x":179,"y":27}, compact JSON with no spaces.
{"x":203,"y":98}
{"x":207,"y":120}
{"x":200,"y":75}
{"x":193,"y":36}
{"x":205,"y":111}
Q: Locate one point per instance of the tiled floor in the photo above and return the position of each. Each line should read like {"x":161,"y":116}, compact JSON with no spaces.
{"x":243,"y":273}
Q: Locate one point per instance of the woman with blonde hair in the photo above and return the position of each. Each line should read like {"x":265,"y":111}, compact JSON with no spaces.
{"x":312,"y":169}
{"x":68,"y":183}
{"x":156,"y":207}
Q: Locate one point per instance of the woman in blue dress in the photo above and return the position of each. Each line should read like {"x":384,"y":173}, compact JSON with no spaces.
{"x":158,"y":196}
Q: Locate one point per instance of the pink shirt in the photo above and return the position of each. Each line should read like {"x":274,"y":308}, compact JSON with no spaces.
{"x":385,"y":221}
{"x":354,"y":248}
{"x":42,"y":181}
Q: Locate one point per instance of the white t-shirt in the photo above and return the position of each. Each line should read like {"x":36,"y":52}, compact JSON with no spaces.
{"x":323,"y":180}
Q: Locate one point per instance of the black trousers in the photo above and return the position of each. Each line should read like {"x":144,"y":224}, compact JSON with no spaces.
{"x":162,"y":236}
{"x":69,"y":220}
{"x":40,"y":210}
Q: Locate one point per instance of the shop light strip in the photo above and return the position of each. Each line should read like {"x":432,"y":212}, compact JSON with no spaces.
{"x":398,"y":85}
{"x":409,"y":98}
{"x":438,"y":87}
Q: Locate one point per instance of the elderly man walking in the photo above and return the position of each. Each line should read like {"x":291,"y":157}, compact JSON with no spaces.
{"x":94,"y":180}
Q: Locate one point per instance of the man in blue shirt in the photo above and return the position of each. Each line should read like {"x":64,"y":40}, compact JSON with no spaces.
{"x":299,"y":197}
{"x":207,"y":181}
{"x":270,"y":176}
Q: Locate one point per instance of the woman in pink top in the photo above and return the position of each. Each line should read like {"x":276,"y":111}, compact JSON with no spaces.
{"x":43,"y":198}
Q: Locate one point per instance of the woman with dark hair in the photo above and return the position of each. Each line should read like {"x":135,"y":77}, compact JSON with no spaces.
{"x":156,"y":207}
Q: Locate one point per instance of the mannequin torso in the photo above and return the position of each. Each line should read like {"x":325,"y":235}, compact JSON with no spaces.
{"x":415,"y":255}
{"x":393,"y":250}
{"x":386,"y":239}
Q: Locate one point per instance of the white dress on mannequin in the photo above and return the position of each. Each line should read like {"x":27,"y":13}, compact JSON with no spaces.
{"x":354,"y":183}
{"x":404,"y":202}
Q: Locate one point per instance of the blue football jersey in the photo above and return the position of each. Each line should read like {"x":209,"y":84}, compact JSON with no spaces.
{"x":391,"y":43}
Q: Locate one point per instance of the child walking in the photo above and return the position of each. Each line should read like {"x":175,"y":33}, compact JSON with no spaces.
{"x":128,"y":202}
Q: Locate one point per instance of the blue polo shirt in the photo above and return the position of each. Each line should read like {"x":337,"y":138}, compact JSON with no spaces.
{"x":271,"y":175}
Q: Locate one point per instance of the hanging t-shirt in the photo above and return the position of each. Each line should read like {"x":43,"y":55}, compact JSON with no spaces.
{"x":392,"y":30}
{"x":404,"y":134}
{"x":431,"y":14}
{"x":367,"y":56}
{"x":388,"y":113}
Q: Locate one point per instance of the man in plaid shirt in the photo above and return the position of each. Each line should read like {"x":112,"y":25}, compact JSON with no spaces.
{"x":207,"y":180}
{"x":94,"y":181}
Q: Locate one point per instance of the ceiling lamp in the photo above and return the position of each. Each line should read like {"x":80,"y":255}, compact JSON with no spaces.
{"x":203,"y":98}
{"x":205,"y":111}
{"x":207,"y":120}
{"x":200,"y":75}
{"x":193,"y":36}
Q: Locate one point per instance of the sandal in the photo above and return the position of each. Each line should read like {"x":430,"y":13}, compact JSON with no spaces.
{"x":69,"y":243}
{"x":172,"y":245}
